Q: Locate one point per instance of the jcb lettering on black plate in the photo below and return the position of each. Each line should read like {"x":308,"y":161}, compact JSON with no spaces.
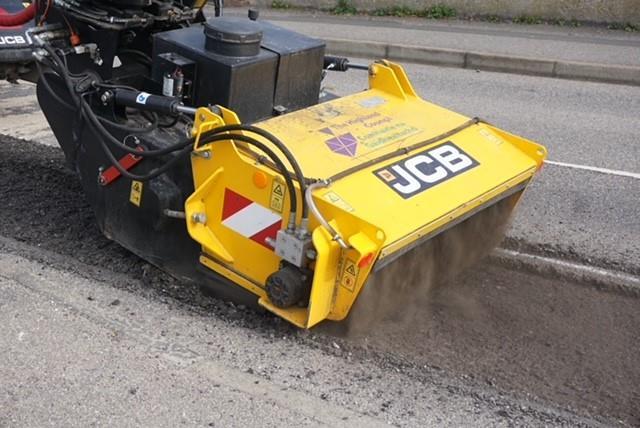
{"x":426,"y":169}
{"x":12,"y":40}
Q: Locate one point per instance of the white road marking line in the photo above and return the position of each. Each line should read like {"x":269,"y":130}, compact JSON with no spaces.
{"x":596,"y":169}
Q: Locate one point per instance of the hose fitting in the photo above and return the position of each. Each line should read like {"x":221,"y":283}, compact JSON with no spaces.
{"x":316,"y":212}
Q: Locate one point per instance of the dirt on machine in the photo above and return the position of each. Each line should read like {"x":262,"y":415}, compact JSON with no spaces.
{"x":207,"y":146}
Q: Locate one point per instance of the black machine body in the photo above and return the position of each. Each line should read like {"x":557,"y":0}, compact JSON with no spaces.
{"x":133,"y":159}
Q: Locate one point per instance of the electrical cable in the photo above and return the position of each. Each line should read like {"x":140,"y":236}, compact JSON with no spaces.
{"x":45,"y":14}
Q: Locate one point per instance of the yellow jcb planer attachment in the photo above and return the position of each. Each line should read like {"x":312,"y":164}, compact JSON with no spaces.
{"x":347,"y":187}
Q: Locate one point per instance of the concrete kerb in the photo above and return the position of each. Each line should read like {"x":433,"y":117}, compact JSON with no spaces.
{"x":538,"y":67}
{"x":628,"y":75}
{"x":598,"y":72}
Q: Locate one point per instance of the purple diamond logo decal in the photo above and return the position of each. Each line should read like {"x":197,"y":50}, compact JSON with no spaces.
{"x":345,"y":144}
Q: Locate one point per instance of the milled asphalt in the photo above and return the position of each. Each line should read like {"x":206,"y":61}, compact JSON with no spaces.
{"x":80,"y":352}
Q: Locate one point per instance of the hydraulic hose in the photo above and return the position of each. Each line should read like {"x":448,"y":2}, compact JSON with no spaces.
{"x":317,"y":214}
{"x":18,"y":18}
{"x":87,"y":113}
{"x":48,"y":87}
{"x":282,"y":147}
{"x":219,"y":134}
{"x":151,"y":175}
{"x":96,"y":122}
{"x":214,"y":136}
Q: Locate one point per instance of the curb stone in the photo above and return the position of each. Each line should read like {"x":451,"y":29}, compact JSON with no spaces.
{"x":604,"y":279}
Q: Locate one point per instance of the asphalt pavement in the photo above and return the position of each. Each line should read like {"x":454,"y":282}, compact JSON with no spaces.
{"x":86,"y":346}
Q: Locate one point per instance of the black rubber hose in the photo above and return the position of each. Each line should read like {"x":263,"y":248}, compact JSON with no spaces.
{"x":215,"y":136}
{"x":86,"y":111}
{"x":282,"y":147}
{"x":151,"y":175}
{"x":94,"y":120}
{"x":59,"y":66}
{"x":49,"y":89}
{"x":208,"y":139}
{"x":185,"y":145}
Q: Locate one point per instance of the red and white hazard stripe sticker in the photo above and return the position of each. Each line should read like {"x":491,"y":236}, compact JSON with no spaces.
{"x":249,"y":218}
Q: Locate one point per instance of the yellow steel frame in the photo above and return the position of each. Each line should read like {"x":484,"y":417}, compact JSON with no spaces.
{"x":374,"y":220}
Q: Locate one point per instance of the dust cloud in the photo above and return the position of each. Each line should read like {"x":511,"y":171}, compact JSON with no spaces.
{"x":403,"y":292}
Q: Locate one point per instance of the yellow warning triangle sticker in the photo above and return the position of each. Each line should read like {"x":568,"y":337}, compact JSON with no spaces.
{"x":351,"y":269}
{"x":277,"y":189}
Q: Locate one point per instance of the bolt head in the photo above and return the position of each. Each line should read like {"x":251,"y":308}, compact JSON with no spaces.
{"x":199,"y":218}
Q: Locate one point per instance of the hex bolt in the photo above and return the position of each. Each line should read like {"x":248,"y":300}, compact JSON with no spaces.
{"x":205,"y":154}
{"x":199,"y":218}
{"x":101,"y":179}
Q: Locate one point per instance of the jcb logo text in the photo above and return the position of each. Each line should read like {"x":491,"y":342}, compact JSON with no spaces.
{"x":12,"y":40}
{"x":426,"y":169}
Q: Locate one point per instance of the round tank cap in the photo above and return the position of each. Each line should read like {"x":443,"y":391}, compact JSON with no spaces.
{"x":233,"y":30}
